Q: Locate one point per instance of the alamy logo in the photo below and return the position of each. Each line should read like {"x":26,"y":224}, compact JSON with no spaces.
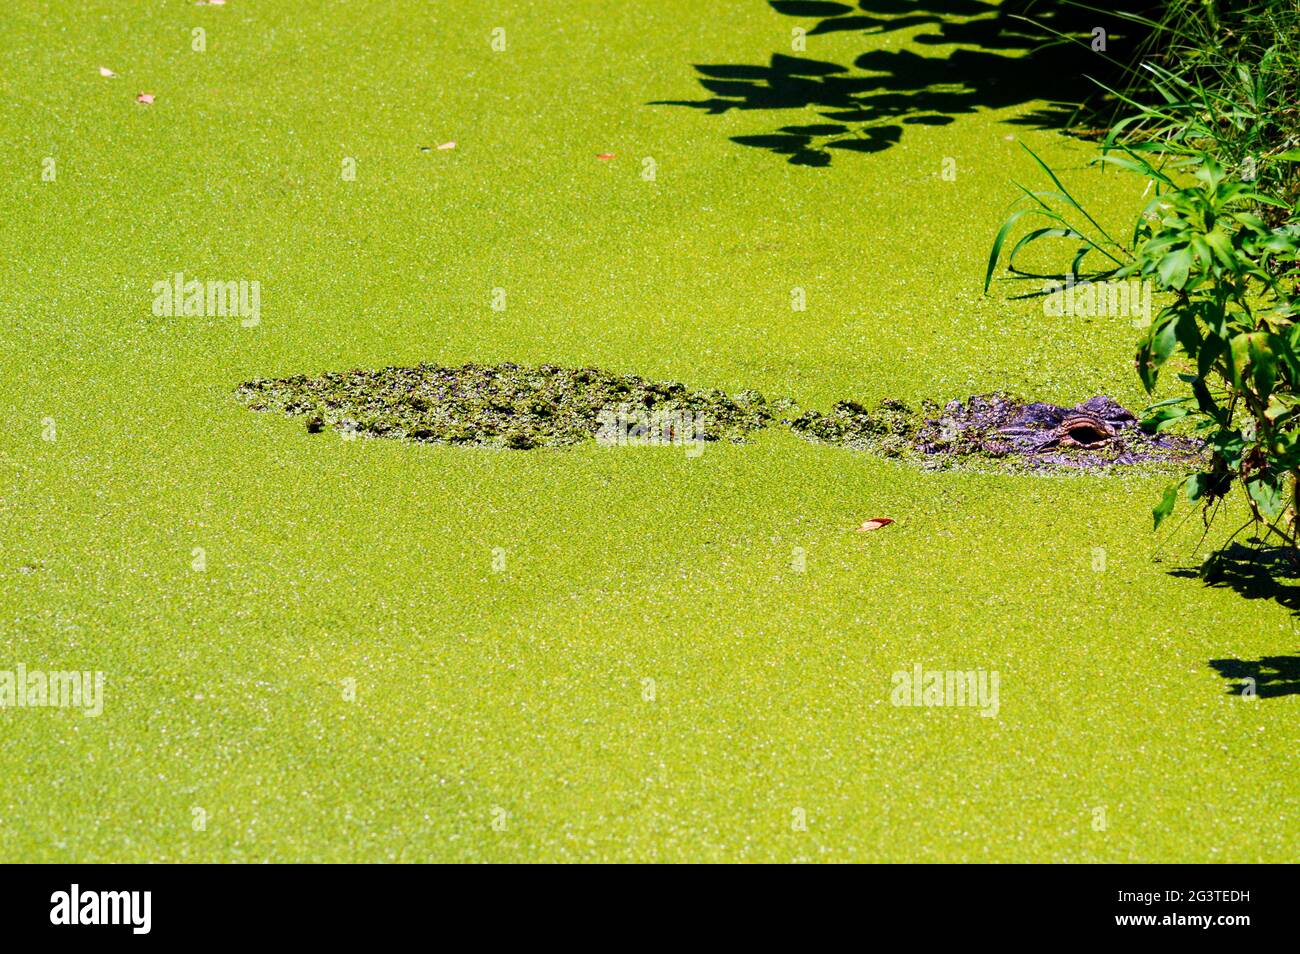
{"x":1085,"y":299}
{"x":178,"y":298}
{"x":975,"y":688}
{"x":642,"y":427}
{"x":24,"y":688}
{"x":102,"y":907}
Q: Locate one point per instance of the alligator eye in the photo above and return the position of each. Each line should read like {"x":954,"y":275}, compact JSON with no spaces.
{"x":1086,"y":434}
{"x":1086,"y":431}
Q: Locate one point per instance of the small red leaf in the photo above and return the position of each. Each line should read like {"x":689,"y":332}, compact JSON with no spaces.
{"x":604,"y":155}
{"x":145,"y":98}
{"x":875,"y":523}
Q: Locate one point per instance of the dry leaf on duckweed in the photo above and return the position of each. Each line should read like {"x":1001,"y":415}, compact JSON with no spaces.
{"x":107,"y":73}
{"x":604,"y":155}
{"x":448,"y":145}
{"x":145,"y":98}
{"x":875,"y":523}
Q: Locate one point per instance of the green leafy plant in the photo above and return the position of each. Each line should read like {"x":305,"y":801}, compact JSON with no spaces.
{"x":1214,"y":77}
{"x":1213,"y":125}
{"x":1231,"y":319}
{"x":1226,"y":283}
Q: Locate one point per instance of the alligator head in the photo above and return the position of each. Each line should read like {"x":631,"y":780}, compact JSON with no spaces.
{"x":1091,"y":425}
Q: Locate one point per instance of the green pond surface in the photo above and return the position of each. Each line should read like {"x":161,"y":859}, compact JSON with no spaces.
{"x":398,"y":652}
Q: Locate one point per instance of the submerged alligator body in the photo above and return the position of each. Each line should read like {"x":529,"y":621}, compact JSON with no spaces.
{"x":516,"y":407}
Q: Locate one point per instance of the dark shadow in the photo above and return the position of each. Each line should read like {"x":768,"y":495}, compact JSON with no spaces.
{"x":1256,"y":572}
{"x":1000,"y":60}
{"x":1267,"y":678}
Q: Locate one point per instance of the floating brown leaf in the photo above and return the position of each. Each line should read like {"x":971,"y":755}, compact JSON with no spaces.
{"x":875,"y":523}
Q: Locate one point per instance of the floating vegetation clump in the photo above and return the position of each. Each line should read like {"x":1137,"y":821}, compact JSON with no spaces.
{"x":1000,"y":430}
{"x":509,"y":405}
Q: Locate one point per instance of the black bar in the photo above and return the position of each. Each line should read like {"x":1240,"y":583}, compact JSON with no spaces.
{"x":334,"y":904}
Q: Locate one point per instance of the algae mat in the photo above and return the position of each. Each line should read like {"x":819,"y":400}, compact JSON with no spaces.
{"x":323,"y":649}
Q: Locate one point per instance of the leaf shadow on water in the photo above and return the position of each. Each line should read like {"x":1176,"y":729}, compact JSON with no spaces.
{"x":1000,"y":60}
{"x":1256,"y":573}
{"x":1271,"y":676}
